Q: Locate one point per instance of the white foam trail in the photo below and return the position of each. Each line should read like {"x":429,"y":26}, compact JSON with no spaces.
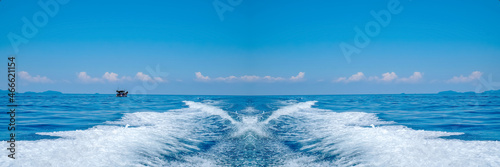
{"x":251,"y":110}
{"x":350,"y":139}
{"x":247,"y":124}
{"x":250,"y":124}
{"x":210,"y":109}
{"x":287,"y":110}
{"x":148,"y":138}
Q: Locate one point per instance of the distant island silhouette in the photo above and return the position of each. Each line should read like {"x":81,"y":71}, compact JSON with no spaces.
{"x":448,"y":92}
{"x":30,"y":92}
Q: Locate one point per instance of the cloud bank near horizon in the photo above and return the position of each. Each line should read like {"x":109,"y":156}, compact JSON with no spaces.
{"x":250,"y":78}
{"x":385,"y":77}
{"x":388,"y":77}
{"x":36,"y":79}
{"x":461,"y":79}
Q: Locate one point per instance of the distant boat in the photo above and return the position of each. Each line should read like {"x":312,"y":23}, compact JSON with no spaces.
{"x":121,"y":93}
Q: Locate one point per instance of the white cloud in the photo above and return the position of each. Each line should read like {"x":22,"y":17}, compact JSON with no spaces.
{"x":112,"y":77}
{"x":200,"y":77}
{"x":386,"y":77}
{"x":249,"y":78}
{"x":299,"y":76}
{"x":84,"y":77}
{"x":461,"y":79}
{"x":417,"y":76}
{"x":159,"y":79}
{"x":389,"y":76}
{"x":146,"y":78}
{"x":37,"y":79}
{"x":272,"y":79}
{"x":353,"y":78}
{"x":143,"y":77}
{"x":230,"y":78}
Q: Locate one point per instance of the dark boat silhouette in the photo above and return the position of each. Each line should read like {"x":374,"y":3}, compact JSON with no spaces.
{"x":121,"y":93}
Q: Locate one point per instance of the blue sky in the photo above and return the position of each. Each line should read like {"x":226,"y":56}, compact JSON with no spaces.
{"x":259,"y":47}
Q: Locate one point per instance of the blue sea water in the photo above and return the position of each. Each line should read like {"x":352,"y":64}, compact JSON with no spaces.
{"x":337,"y":130}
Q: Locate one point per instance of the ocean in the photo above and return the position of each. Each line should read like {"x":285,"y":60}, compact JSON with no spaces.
{"x":328,"y":130}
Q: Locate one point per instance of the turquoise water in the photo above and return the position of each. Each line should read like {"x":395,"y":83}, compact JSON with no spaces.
{"x":338,"y":130}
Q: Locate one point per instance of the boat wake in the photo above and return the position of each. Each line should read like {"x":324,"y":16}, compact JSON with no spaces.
{"x":296,"y":134}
